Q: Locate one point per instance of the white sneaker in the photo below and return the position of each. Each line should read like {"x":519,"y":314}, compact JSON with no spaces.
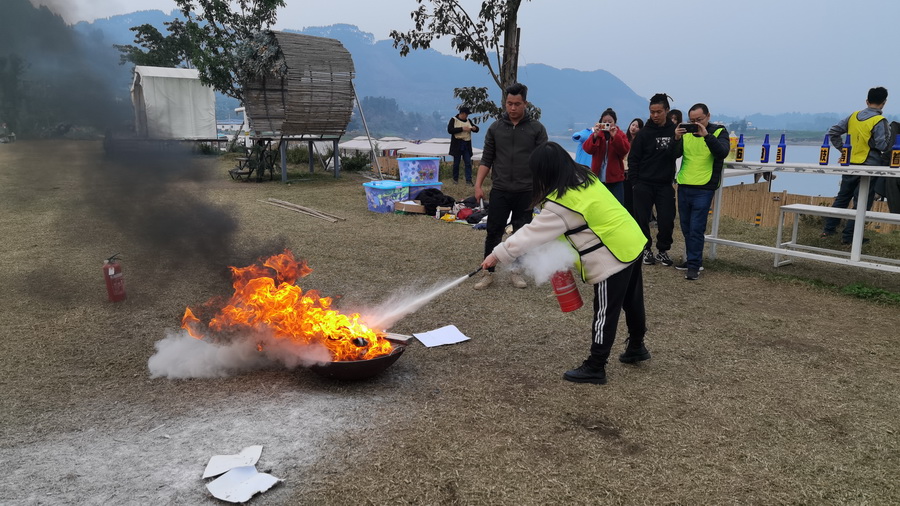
{"x":518,"y":280}
{"x":487,"y":277}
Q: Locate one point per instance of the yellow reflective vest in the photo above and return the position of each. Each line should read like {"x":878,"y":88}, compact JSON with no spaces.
{"x":697,"y":161}
{"x":605,"y":219}
{"x":860,"y":135}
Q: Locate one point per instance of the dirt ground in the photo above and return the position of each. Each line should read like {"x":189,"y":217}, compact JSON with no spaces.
{"x":765,"y":387}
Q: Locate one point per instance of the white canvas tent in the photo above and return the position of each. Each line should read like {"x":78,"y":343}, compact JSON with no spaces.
{"x":170,"y":103}
{"x":432,"y":147}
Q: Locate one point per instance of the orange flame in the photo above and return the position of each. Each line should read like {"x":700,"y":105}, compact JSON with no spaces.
{"x":267,"y":301}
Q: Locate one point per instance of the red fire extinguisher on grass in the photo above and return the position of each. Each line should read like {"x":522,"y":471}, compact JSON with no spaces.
{"x":115,"y":279}
{"x":566,"y":291}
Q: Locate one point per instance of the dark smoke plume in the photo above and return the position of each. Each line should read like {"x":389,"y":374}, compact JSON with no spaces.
{"x":148,"y":200}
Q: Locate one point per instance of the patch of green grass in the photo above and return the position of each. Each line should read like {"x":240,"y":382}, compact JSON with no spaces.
{"x":863,"y":291}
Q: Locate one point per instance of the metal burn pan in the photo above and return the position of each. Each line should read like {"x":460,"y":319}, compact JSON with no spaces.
{"x":358,"y":369}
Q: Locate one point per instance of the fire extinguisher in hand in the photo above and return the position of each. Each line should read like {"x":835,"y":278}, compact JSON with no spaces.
{"x":566,"y":291}
{"x":115,"y":279}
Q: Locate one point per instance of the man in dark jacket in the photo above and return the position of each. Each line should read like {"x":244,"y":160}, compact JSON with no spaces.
{"x":461,"y":130}
{"x":508,"y":144}
{"x":651,"y":168}
{"x":703,"y":154}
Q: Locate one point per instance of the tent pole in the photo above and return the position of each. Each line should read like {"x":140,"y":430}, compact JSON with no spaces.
{"x":368,"y":135}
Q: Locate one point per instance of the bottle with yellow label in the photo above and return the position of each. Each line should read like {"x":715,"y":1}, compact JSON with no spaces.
{"x":779,"y":152}
{"x":739,"y":150}
{"x":824,"y":152}
{"x":764,"y":155}
{"x":845,"y":152}
{"x":895,"y":153}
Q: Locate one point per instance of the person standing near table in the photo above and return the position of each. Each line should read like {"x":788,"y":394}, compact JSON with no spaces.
{"x":508,"y":143}
{"x":651,"y":169}
{"x":870,"y":137}
{"x":461,"y":129}
{"x":703,"y":155}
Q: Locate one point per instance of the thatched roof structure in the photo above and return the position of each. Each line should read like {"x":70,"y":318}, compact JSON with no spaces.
{"x":312,"y":95}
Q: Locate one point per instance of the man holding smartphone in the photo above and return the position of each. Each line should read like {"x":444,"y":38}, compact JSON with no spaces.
{"x":703,"y":147}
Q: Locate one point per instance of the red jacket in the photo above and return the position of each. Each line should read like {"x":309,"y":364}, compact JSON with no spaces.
{"x":616,"y":150}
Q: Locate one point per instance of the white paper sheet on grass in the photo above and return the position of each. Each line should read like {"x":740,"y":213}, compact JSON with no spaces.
{"x":444,"y":335}
{"x":240,"y":484}
{"x":223,"y":463}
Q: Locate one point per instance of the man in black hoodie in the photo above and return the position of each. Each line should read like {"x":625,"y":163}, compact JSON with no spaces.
{"x":651,"y":168}
{"x":508,"y":144}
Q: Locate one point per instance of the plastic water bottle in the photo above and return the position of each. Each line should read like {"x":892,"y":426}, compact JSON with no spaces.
{"x":895,"y":153}
{"x":779,"y":152}
{"x":846,"y":151}
{"x":764,"y":155}
{"x":739,"y":152}
{"x":824,"y":152}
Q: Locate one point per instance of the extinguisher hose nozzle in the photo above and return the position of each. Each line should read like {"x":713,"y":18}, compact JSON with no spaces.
{"x":476,"y":271}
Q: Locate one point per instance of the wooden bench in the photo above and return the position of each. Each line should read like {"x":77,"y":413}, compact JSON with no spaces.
{"x":828,"y":212}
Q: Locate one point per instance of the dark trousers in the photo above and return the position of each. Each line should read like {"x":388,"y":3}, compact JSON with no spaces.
{"x":466,"y":157}
{"x":501,"y":205}
{"x":663,"y":197}
{"x":693,"y":213}
{"x":623,"y":290}
{"x":629,"y":195}
{"x":618,"y":190}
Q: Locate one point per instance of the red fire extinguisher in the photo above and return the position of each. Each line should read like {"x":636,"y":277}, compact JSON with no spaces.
{"x":566,"y":291}
{"x":115,"y":279}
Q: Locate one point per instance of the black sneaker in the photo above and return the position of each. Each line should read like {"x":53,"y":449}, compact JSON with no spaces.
{"x":586,"y":374}
{"x":634,"y":354}
{"x":683,"y":266}
{"x":663,"y":258}
{"x":692,"y":275}
{"x":649,"y":259}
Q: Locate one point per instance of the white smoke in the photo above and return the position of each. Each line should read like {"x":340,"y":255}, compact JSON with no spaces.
{"x":402,"y":303}
{"x":541,"y":262}
{"x":180,"y":356}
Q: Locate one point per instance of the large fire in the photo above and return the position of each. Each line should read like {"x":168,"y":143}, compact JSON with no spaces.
{"x":267,"y":301}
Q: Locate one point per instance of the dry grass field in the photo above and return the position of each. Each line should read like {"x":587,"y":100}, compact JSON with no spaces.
{"x":766,"y":386}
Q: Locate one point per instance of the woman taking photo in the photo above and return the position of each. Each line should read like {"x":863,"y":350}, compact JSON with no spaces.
{"x":577,"y":207}
{"x":608,"y":147}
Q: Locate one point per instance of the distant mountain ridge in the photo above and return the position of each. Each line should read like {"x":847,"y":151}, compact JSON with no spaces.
{"x":423,"y":81}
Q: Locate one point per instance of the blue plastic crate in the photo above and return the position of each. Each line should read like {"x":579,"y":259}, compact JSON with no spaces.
{"x":381,"y":195}
{"x":419,"y":170}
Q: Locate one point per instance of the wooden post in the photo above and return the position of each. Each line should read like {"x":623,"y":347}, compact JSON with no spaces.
{"x":336,"y":158}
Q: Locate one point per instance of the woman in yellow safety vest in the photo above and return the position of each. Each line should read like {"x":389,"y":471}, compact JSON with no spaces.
{"x":577,"y":208}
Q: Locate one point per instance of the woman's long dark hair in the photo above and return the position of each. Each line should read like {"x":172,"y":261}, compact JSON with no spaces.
{"x":554,"y":170}
{"x":628,"y":133}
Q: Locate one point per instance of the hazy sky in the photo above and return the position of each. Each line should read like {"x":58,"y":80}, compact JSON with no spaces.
{"x":767,"y":56}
